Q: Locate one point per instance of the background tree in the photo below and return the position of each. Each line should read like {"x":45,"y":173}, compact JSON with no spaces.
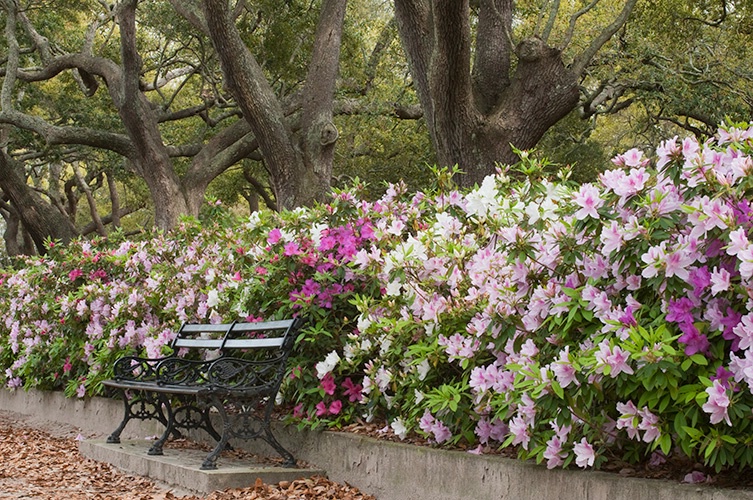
{"x":300,"y":161}
{"x":82,"y":77}
{"x":482,"y":90}
{"x":653,"y":82}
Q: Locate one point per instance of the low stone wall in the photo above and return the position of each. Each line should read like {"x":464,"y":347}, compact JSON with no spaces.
{"x":393,"y":471}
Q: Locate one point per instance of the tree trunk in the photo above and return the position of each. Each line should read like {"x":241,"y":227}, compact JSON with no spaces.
{"x":477,"y":115}
{"x":300,"y":166}
{"x":38,"y":217}
{"x":151,"y":158}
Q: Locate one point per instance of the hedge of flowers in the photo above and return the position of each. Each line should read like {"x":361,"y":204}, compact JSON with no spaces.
{"x":570,"y":323}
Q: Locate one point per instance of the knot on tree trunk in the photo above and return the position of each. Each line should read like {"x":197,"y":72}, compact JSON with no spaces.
{"x":532,"y":49}
{"x":329,"y":134}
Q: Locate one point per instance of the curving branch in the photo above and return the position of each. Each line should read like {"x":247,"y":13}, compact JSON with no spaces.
{"x":553,"y":12}
{"x":716,"y":22}
{"x":573,"y":20}
{"x":584,"y":59}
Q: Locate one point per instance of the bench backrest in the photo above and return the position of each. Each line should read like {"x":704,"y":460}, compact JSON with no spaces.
{"x":268,"y":334}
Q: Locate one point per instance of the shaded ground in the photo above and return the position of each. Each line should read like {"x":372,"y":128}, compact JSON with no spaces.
{"x":41,"y":460}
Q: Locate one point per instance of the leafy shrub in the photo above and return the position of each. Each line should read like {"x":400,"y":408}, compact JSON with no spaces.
{"x":571,"y":322}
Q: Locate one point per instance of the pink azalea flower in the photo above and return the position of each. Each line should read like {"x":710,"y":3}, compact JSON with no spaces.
{"x":611,"y":238}
{"x":328,"y":384}
{"x":274,"y":236}
{"x":667,"y":151}
{"x":611,"y":179}
{"x":335,"y":407}
{"x":563,"y":369}
{"x":584,"y":454}
{"x":75,"y":274}
{"x":555,"y":456}
{"x":676,"y":263}
{"x":298,"y":410}
{"x":519,"y":428}
{"x":649,"y":424}
{"x":441,"y":432}
{"x":614,"y":357}
{"x":291,"y":248}
{"x":717,"y":403}
{"x":353,"y":391}
{"x":589,"y":201}
{"x":738,"y":241}
{"x":695,"y":341}
{"x":744,"y":330}
{"x":426,"y":423}
{"x":321,"y":409}
{"x":654,"y":258}
{"x":694,"y":477}
{"x":720,"y":280}
{"x":628,"y":419}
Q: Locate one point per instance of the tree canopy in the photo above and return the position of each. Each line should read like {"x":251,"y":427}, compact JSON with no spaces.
{"x":124,"y":113}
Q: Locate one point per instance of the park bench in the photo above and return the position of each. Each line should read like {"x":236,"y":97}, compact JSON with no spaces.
{"x":235,"y":369}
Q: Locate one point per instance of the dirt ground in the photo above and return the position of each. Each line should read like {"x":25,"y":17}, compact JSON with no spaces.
{"x":40,"y":460}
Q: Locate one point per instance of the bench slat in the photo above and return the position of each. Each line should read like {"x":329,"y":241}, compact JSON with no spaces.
{"x":208,"y":328}
{"x":253,"y":343}
{"x":198,"y":343}
{"x":265,"y":326}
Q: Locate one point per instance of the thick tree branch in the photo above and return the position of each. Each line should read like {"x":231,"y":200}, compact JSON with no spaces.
{"x":491,"y":65}
{"x":246,"y":80}
{"x":414,"y":22}
{"x":553,"y":11}
{"x":385,"y":39}
{"x":316,"y":115}
{"x":110,"y":219}
{"x":100,"y":228}
{"x":573,"y":21}
{"x":260,"y":189}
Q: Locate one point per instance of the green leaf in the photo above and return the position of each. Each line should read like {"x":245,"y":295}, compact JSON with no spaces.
{"x":710,"y":449}
{"x":699,"y":359}
{"x":666,"y":444}
{"x":729,"y":439}
{"x":557,"y":388}
{"x":693,"y":432}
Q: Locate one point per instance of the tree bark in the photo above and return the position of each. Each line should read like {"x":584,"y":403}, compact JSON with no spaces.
{"x":38,"y":217}
{"x":300,"y":164}
{"x":151,"y":158}
{"x":476,"y":115}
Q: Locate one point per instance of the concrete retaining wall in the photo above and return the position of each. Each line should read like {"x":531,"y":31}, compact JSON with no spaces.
{"x":394,"y":471}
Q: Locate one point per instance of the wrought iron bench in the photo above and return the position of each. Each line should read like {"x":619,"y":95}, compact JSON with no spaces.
{"x":235,"y":368}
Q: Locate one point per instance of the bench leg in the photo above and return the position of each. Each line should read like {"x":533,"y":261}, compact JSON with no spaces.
{"x":142,"y":407}
{"x":289,"y":460}
{"x":245,"y":424}
{"x":156,"y":448}
{"x":210,"y":462}
{"x":114,"y":438}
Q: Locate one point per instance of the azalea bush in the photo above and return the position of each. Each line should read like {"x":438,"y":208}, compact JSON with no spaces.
{"x":68,"y":316}
{"x":571,"y":323}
